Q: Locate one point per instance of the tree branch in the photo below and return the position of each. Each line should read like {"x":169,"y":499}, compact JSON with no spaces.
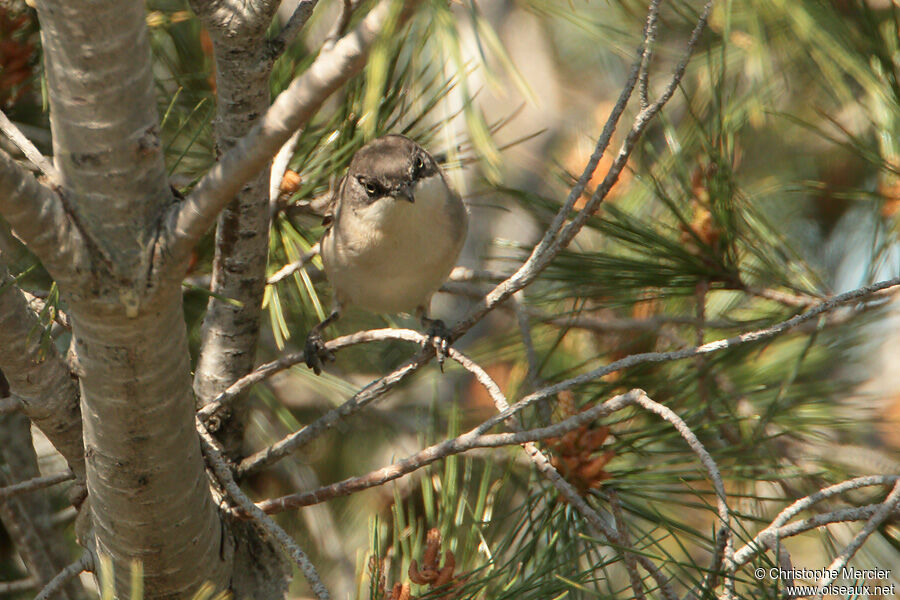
{"x":766,"y":538}
{"x":223,"y":474}
{"x":889,"y":505}
{"x":85,"y":563}
{"x":21,"y":585}
{"x":34,"y":484}
{"x":230,"y":330}
{"x":378,"y":387}
{"x":31,"y":153}
{"x":39,"y":217}
{"x":293,"y":26}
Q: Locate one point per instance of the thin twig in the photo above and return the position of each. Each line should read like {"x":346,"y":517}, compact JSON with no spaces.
{"x":647,"y":57}
{"x":380,"y":386}
{"x":718,"y":485}
{"x":890,"y":503}
{"x":841,"y":515}
{"x":291,"y":268}
{"x":38,"y":304}
{"x":786,"y":298}
{"x":33,"y":484}
{"x":28,"y":149}
{"x":85,"y":563}
{"x":466,"y":274}
{"x":708,"y":348}
{"x":290,"y":30}
{"x":20,"y":585}
{"x":340,"y":25}
{"x":766,"y":538}
{"x":223,"y":474}
{"x":637,"y":584}
{"x":558,"y":237}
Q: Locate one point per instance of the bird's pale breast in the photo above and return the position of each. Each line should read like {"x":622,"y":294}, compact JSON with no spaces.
{"x":400,"y":253}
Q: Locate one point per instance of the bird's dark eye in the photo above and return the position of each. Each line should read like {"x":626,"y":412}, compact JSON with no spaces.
{"x":371,"y":187}
{"x":418,"y":165}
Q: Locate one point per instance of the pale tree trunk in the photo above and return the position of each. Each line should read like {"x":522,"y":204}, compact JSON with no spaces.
{"x":147,"y":486}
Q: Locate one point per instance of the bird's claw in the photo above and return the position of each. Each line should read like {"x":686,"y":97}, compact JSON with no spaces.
{"x":315,"y":352}
{"x":440,"y":337}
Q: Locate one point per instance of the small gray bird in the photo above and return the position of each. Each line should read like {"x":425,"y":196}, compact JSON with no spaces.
{"x":396,"y":230}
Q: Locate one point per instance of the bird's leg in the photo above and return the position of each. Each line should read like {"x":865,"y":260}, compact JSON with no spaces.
{"x":314,"y":350}
{"x":438,"y":334}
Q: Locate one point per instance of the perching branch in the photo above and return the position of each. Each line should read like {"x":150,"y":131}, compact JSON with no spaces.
{"x":382,"y":385}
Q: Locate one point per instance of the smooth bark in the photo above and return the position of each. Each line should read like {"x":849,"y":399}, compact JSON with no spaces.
{"x":231,"y":328}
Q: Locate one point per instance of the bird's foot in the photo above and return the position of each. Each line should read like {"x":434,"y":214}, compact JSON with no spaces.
{"x":440,"y":337}
{"x":315,"y":352}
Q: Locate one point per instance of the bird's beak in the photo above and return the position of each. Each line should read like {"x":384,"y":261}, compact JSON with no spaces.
{"x":405,"y":192}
